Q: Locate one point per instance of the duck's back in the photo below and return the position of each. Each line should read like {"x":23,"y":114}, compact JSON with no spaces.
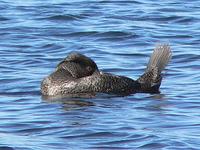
{"x":100,"y":83}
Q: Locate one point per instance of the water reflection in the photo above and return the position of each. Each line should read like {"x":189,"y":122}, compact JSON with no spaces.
{"x":70,"y":103}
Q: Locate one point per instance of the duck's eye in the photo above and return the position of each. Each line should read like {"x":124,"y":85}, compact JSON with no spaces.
{"x":89,"y":68}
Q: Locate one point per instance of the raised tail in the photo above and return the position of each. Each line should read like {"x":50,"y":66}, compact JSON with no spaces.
{"x":150,"y":81}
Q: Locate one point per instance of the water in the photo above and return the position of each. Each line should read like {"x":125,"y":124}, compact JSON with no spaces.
{"x":119,"y":35}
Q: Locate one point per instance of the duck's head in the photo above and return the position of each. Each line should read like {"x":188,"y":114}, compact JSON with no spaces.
{"x":78,"y":65}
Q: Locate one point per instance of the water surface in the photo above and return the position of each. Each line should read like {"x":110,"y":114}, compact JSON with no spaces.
{"x":119,"y":35}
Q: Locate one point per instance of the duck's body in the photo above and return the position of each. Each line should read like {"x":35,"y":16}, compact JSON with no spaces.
{"x":78,"y":74}
{"x":98,"y":82}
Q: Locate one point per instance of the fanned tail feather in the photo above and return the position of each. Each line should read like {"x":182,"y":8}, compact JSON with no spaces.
{"x":150,"y":81}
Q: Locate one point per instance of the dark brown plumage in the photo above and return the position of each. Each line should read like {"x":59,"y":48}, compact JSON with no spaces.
{"x":78,"y":74}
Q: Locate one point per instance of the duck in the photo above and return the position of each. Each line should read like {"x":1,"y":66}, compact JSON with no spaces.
{"x":78,"y":74}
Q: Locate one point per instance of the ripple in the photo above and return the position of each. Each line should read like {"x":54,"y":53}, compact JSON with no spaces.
{"x":4,"y":19}
{"x":33,"y":93}
{"x":65,"y":18}
{"x":115,"y":34}
{"x":99,"y":135}
{"x":153,"y":145}
{"x":120,"y":2}
{"x":6,"y":148}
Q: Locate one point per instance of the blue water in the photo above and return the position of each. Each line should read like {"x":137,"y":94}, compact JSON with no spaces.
{"x":120,"y":36}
